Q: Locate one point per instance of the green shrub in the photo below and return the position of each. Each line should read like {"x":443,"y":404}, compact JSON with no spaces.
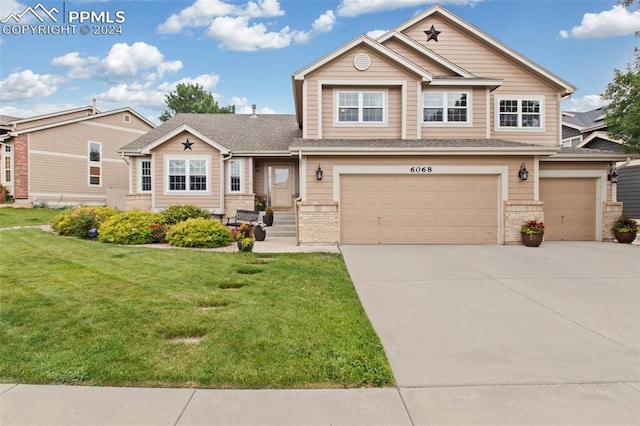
{"x":78,"y":221}
{"x":131,"y":227}
{"x":179,"y":213}
{"x":199,"y":232}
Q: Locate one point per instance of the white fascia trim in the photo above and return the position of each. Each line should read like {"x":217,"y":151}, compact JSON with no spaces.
{"x":52,"y":114}
{"x":587,"y":157}
{"x":373,"y":44}
{"x":569,"y":88}
{"x":403,"y":151}
{"x":184,"y":128}
{"x":501,"y":171}
{"x":305,"y":119}
{"x":320,"y":106}
{"x":601,"y":188}
{"x":426,"y":52}
{"x":475,"y":82}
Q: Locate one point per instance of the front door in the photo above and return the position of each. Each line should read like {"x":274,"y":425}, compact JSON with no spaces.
{"x":281,"y":186}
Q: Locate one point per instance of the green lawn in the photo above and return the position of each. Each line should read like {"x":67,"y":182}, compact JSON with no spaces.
{"x":10,"y":216}
{"x":80,"y":312}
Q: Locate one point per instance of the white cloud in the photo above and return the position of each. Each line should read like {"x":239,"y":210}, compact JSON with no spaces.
{"x":38,"y":109}
{"x":27,"y":84}
{"x":376,"y":33}
{"x":585,"y":103}
{"x":615,"y":22}
{"x":202,"y":12}
{"x":125,"y":61}
{"x":351,"y":8}
{"x":247,"y":109}
{"x":122,"y":61}
{"x":151,"y":95}
{"x":235,"y":26}
{"x":78,"y":67}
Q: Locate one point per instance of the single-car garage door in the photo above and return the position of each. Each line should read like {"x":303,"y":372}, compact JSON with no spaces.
{"x":425,"y":209}
{"x":569,"y":208}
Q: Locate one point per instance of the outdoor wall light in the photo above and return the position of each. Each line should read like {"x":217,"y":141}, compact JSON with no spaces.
{"x":523,"y":173}
{"x":319,"y":173}
{"x":613,"y":174}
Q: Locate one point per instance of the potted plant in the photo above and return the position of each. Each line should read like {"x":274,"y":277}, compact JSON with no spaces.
{"x":245,"y":238}
{"x":268,"y":216}
{"x":625,"y":230}
{"x":532,"y":233}
{"x":261,"y":203}
{"x":260,"y":231}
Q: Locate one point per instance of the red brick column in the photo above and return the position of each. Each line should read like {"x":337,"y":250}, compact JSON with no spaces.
{"x":21,"y":166}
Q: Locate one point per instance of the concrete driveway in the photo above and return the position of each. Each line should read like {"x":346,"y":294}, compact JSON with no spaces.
{"x":507,"y":334}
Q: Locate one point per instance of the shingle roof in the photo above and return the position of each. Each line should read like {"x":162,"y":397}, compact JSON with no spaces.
{"x":237,"y":132}
{"x":585,"y":119}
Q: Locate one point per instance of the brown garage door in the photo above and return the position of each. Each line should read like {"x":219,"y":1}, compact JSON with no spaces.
{"x":569,"y":208}
{"x":409,"y":209}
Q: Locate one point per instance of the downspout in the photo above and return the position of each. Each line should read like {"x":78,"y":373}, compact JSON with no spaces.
{"x":303,"y":181}
{"x":223,"y":160}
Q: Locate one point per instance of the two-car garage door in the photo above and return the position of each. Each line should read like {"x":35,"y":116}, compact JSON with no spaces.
{"x":419,"y":209}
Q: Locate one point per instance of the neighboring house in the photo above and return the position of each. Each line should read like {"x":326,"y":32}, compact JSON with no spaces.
{"x":420,"y":136}
{"x":69,"y":157}
{"x":588,"y":130}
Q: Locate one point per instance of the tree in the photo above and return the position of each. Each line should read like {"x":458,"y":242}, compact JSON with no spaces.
{"x":192,"y":98}
{"x":622,"y":115}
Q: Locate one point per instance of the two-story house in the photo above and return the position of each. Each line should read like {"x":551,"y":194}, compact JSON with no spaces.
{"x":68,"y":157}
{"x":433,"y":133}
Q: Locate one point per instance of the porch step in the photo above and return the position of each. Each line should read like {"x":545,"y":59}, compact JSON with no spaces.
{"x":284,"y":224}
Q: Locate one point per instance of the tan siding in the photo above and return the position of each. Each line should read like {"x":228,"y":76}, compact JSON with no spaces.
{"x":323,"y":190}
{"x":174,"y":147}
{"x":478,"y":128}
{"x":424,"y":62}
{"x":475,"y":56}
{"x":382,"y":70}
{"x":58,"y":159}
{"x":117,"y":120}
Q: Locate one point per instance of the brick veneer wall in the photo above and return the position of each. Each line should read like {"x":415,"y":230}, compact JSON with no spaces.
{"x":234,"y":202}
{"x":318,"y":222}
{"x":515,"y":214}
{"x":139,"y":201}
{"x":21,"y":166}
{"x":611,"y":211}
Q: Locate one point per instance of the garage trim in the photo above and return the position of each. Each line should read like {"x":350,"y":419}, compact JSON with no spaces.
{"x":601,"y":188}
{"x":502,"y":171}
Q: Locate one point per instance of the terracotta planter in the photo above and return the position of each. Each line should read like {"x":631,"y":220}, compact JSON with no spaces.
{"x":625,"y":237}
{"x":532,"y":240}
{"x":260,"y":234}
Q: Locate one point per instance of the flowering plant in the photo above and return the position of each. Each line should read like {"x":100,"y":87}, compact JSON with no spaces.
{"x":625,"y":225}
{"x":259,"y":225}
{"x":533,"y":227}
{"x":245,"y":236}
{"x":158,"y":233}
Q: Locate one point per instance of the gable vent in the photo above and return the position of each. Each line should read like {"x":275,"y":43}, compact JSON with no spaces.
{"x":362,"y":61}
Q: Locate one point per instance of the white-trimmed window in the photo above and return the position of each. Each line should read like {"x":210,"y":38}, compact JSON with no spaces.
{"x":519,"y":112}
{"x":187,"y":174}
{"x":95,"y":163}
{"x":446,"y":107}
{"x":7,"y":163}
{"x":360,"y":107}
{"x":571,"y":142}
{"x":235,"y":173}
{"x":144,"y":171}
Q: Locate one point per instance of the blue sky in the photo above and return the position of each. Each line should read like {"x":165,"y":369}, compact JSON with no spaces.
{"x":245,"y":51}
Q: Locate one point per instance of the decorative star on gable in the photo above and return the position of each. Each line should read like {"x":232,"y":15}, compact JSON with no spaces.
{"x":187,"y":145}
{"x":432,"y":34}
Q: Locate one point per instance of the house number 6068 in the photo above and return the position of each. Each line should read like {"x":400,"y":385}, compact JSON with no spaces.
{"x":424,"y":169}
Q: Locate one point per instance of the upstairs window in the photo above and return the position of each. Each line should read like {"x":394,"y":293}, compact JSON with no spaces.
{"x":445,"y":107}
{"x":95,"y":163}
{"x":524,"y":113}
{"x":360,"y":107}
